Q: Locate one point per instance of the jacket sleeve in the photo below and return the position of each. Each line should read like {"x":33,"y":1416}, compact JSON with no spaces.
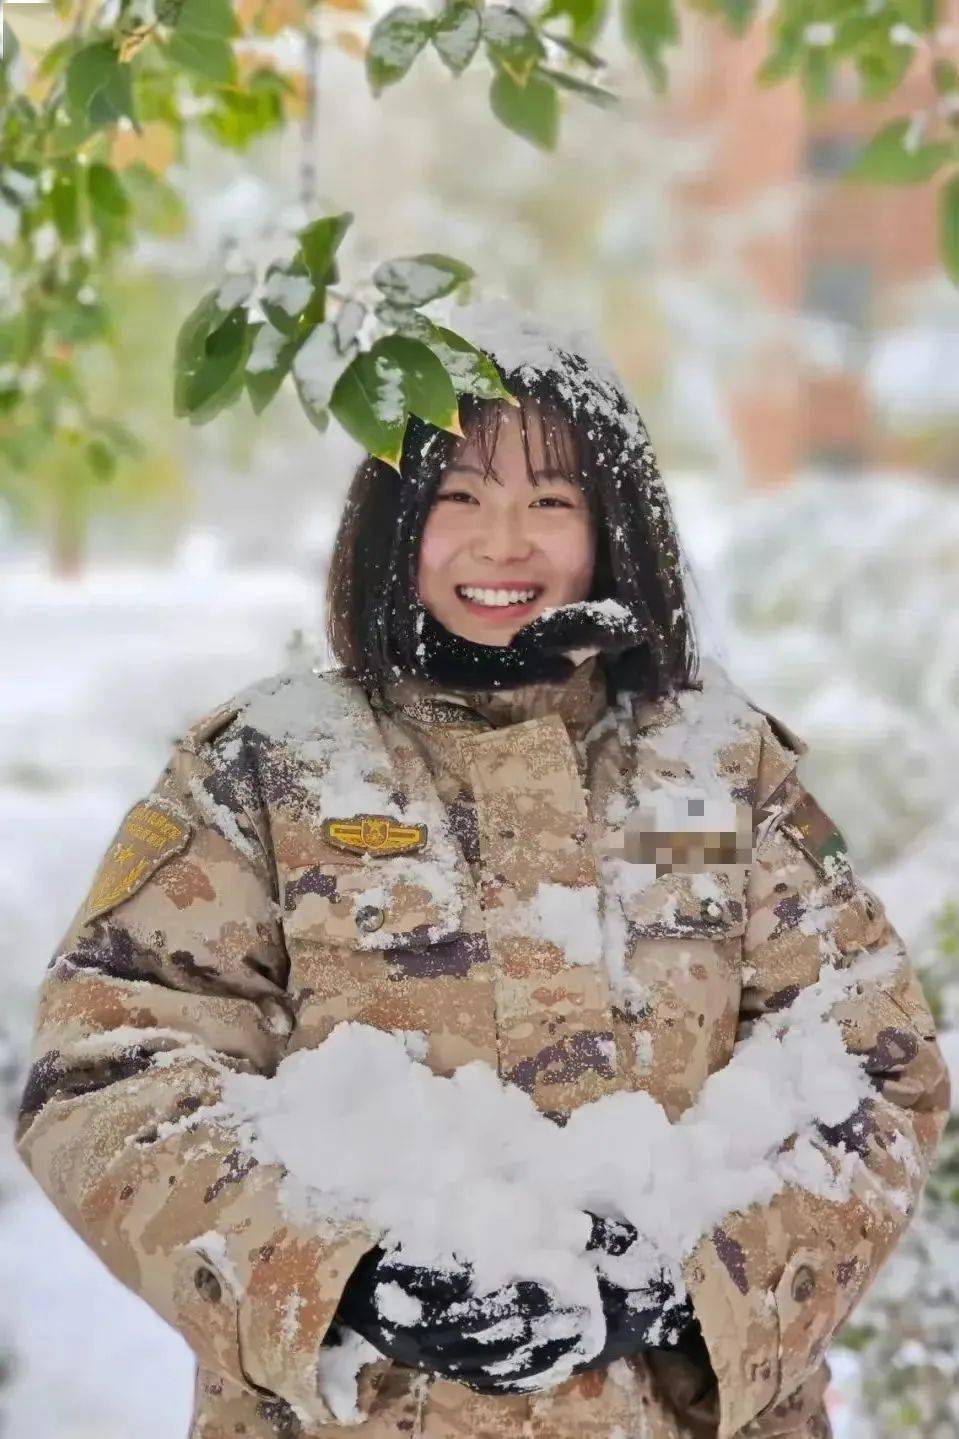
{"x":171,"y":976}
{"x":772,"y":1284}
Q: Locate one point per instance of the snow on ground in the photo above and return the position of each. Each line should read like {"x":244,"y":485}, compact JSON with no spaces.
{"x":830,"y":605}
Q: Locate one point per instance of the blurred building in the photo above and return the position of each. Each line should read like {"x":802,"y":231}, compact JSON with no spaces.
{"x":878,"y":384}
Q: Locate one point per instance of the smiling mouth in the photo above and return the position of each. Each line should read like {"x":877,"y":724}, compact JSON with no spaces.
{"x":489,"y":597}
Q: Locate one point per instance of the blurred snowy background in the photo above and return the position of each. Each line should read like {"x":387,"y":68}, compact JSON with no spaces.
{"x":794,"y":349}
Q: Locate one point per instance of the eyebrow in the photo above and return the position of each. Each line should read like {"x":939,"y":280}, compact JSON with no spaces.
{"x":546,"y":474}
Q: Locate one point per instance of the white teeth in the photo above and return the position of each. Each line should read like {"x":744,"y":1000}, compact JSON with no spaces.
{"x":496,"y":597}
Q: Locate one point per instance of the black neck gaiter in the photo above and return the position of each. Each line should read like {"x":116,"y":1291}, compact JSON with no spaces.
{"x":538,"y":652}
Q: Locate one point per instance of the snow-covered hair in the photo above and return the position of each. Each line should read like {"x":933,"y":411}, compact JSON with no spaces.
{"x":572,"y":393}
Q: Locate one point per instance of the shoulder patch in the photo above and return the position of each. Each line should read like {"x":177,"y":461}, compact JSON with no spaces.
{"x":148,"y":836}
{"x":817,"y":835}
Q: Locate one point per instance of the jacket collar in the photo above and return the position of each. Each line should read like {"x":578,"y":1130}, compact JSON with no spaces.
{"x":579,"y":700}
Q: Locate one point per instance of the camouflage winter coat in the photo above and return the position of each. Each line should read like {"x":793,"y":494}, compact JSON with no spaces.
{"x":309,"y":856}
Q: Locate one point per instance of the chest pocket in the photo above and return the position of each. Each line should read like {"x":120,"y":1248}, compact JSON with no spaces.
{"x":397,"y":943}
{"x":675,"y":919}
{"x":371,"y":903}
{"x":680,"y":863}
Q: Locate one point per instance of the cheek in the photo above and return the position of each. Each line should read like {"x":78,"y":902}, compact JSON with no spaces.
{"x":573,"y":554}
{"x":437,"y":548}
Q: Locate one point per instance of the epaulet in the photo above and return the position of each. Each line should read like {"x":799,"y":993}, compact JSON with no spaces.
{"x":783,"y":733}
{"x":205,"y":729}
{"x":332,"y":684}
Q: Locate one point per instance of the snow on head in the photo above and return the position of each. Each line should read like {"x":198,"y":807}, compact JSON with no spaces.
{"x":583,"y":375}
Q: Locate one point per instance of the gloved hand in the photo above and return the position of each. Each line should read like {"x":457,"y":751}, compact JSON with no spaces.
{"x":429,"y":1319}
{"x":650,"y":1318}
{"x":606,"y":625}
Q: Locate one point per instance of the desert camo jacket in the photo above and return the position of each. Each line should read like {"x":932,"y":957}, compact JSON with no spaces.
{"x":312,"y":854}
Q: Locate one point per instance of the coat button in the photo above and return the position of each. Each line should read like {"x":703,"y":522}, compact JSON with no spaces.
{"x":369,"y":917}
{"x":804,"y":1282}
{"x":208,"y":1284}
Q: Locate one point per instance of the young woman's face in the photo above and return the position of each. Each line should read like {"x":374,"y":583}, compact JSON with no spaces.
{"x":494,"y":555}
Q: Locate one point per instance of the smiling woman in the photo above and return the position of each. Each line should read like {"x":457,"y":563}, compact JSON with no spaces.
{"x":510,"y":531}
{"x":552,"y":502}
{"x":622,"y":1085}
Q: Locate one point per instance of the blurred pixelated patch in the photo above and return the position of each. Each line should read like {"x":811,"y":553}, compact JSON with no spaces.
{"x":688,"y":832}
{"x":148,"y":836}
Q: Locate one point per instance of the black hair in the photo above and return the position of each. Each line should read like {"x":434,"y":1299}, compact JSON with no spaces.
{"x":594,"y":435}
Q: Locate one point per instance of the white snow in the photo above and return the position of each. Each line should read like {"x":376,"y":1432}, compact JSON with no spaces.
{"x":466,"y":1168}
{"x":814,"y":596}
{"x":318,"y":365}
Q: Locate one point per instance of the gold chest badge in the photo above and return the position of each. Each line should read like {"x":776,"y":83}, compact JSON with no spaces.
{"x":374,"y":834}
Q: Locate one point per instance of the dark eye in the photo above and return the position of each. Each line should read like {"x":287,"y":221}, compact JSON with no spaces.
{"x":554,"y":501}
{"x":457,"y":495}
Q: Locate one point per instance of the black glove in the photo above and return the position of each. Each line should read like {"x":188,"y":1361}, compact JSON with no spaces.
{"x":651,"y":1318}
{"x":604,"y":624}
{"x":446,"y":1337}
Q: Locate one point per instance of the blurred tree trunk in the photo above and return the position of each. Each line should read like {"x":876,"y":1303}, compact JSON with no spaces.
{"x":69,"y":533}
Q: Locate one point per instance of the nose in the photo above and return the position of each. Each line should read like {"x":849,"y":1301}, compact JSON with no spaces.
{"x":504,"y":537}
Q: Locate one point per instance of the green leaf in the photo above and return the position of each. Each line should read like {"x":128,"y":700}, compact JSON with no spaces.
{"x":201,"y":41}
{"x":586,"y":17}
{"x":881,"y":71}
{"x":369,"y":402}
{"x":203,"y":55}
{"x":739,"y":14}
{"x":213,"y":18}
{"x":288,"y":291}
{"x":211,"y":353}
{"x":579,"y":52}
{"x":109,"y":205}
{"x":320,"y":362}
{"x":319,"y":243}
{"x":512,"y":43}
{"x":816,"y":75}
{"x":782,"y":60}
{"x":236,"y":117}
{"x":530,"y":110}
{"x":418,"y":279}
{"x":65,"y":201}
{"x":101,"y":459}
{"x":395,"y":41}
{"x":648,"y":27}
{"x":159,"y":208}
{"x":56,"y":57}
{"x":268,"y":365}
{"x":402,"y":319}
{"x":595,"y":94}
{"x":471,"y":372}
{"x":946,"y":77}
{"x":887,"y":161}
{"x":456,"y":34}
{"x":68,"y":133}
{"x":949,"y":227}
{"x":428,"y":388}
{"x":919,"y":15}
{"x":98,"y":88}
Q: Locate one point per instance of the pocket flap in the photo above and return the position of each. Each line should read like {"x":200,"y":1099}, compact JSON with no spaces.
{"x":374,"y":903}
{"x":704,"y":903}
